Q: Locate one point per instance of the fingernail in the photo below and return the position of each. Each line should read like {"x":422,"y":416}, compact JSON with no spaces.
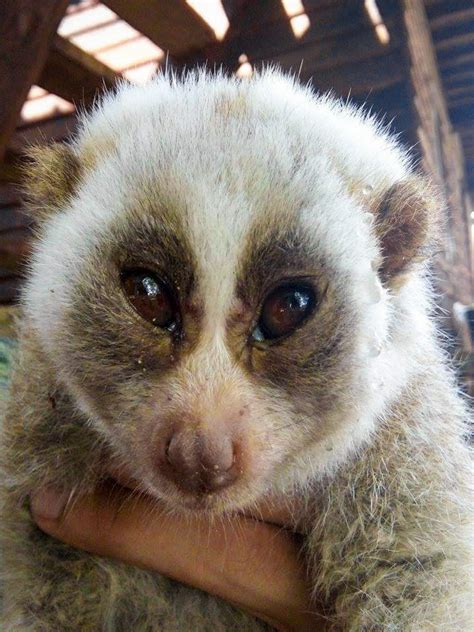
{"x":48,"y":504}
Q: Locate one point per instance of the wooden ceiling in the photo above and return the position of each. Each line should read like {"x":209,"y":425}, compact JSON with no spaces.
{"x":340,"y":52}
{"x":452,"y":27}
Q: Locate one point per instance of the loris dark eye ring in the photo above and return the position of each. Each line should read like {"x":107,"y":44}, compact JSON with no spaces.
{"x":150,"y":297}
{"x":284,"y":309}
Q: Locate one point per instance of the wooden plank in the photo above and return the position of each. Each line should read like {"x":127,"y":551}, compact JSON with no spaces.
{"x":5,"y":273}
{"x":9,"y":290}
{"x":468,"y":131}
{"x":56,"y":129}
{"x":250,"y":18}
{"x":258,"y":16}
{"x":9,"y":173}
{"x":462,"y":91}
{"x":453,"y":18}
{"x":328,"y":55}
{"x":455,"y":61}
{"x":461,"y":102}
{"x":264,"y":32}
{"x":449,"y":43}
{"x":425,"y":73}
{"x":352,"y":78}
{"x":9,"y":195}
{"x":459,"y":78}
{"x":461,"y":116}
{"x":14,"y":218}
{"x":442,"y":152}
{"x":27,"y":28}
{"x":15,"y":243}
{"x":15,"y":248}
{"x":452,"y":33}
{"x":437,"y":8}
{"x":73,"y":74}
{"x":233,"y":7}
{"x":391,"y":106}
{"x":172,"y":25}
{"x":324,"y":44}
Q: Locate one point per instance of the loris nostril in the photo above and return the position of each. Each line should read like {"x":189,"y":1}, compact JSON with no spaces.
{"x":179,"y":452}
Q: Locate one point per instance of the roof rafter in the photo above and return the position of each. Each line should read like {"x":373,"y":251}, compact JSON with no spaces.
{"x":173,"y":25}
{"x":73,"y":74}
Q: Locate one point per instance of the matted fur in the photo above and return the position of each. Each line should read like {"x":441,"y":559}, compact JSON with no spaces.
{"x":227,"y":188}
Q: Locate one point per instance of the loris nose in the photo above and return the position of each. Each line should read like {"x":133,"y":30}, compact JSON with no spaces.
{"x":199,"y":463}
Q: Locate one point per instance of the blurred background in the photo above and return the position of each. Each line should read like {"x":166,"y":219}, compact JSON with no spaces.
{"x":410,"y":61}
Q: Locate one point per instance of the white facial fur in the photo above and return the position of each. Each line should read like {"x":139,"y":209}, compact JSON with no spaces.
{"x":226,"y":151}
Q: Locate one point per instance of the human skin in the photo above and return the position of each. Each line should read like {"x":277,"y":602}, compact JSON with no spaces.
{"x":253,"y":562}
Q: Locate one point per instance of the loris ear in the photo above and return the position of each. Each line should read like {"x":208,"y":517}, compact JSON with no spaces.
{"x":407,"y":223}
{"x":51,"y":175}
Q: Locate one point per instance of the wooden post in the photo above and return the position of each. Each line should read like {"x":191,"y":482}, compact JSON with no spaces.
{"x":441,"y":152}
{"x":27,"y":28}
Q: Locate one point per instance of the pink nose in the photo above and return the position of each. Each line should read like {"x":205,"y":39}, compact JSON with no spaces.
{"x":199,"y":463}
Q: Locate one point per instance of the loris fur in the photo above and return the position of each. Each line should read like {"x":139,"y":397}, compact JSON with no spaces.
{"x":227,"y":190}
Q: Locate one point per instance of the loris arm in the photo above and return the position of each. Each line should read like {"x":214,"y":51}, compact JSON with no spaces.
{"x":389,"y":544}
{"x":45,"y":439}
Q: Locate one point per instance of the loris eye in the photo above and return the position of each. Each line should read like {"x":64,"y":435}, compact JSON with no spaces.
{"x":150,"y":297}
{"x":284,"y":310}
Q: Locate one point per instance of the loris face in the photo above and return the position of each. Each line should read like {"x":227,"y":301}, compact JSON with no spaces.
{"x":209,"y":285}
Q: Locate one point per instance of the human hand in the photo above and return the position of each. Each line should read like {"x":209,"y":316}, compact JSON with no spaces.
{"x":253,"y":564}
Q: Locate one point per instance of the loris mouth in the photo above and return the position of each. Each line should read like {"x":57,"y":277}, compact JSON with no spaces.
{"x":213,"y":503}
{"x":201,"y":501}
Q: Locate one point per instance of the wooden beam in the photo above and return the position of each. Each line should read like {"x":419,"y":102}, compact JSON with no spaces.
{"x":9,"y":290}
{"x":242,"y":20}
{"x":457,"y":78}
{"x":425,"y":74}
{"x":9,"y":173}
{"x":15,"y":245}
{"x":354,"y":78}
{"x":263,"y":32}
{"x":438,"y":8}
{"x":467,"y":59}
{"x":360,"y":46}
{"x":27,"y":28}
{"x":462,"y":91}
{"x":73,"y":74}
{"x":56,"y":129}
{"x":453,"y":42}
{"x":467,"y":131}
{"x":443,"y":154}
{"x":453,"y":18}
{"x":9,"y":196}
{"x":461,"y":116}
{"x":461,"y":102}
{"x":13,"y":219}
{"x":233,"y":7}
{"x":172,"y":24}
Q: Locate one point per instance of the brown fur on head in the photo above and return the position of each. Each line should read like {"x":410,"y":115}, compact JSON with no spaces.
{"x":51,"y":175}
